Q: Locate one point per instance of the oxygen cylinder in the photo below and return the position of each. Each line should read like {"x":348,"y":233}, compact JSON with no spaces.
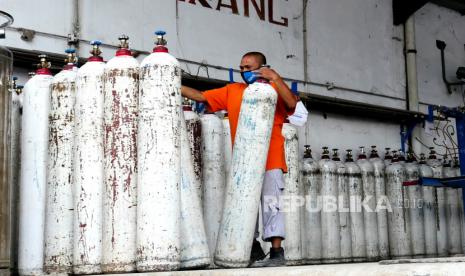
{"x":441,"y":224}
{"x":88,"y":165}
{"x":121,"y":79}
{"x":34,"y":153}
{"x":399,"y":232}
{"x":14,"y":132}
{"x":461,"y":211}
{"x":454,"y":239}
{"x":387,"y":157}
{"x":370,"y":219}
{"x":414,"y":206}
{"x":247,"y":166}
{"x":60,"y":202}
{"x":343,"y":208}
{"x":194,"y":135}
{"x":457,"y":166}
{"x":357,"y":228}
{"x":213,"y":170}
{"x":158,"y":221}
{"x":429,"y":210}
{"x":293,"y":190}
{"x":194,"y":244}
{"x":227,"y":146}
{"x":311,"y":180}
{"x":456,"y":169}
{"x":330,"y":228}
{"x":381,"y":213}
{"x":16,"y":105}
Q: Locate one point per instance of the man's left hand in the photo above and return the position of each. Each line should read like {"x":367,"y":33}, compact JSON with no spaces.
{"x":268,"y":74}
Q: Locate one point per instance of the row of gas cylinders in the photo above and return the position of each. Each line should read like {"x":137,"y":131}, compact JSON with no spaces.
{"x":373,"y":209}
{"x":99,"y":191}
{"x":110,"y":178}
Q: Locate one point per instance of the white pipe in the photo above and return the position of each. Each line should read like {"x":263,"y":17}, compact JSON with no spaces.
{"x":412,"y":80}
{"x":411,"y":62}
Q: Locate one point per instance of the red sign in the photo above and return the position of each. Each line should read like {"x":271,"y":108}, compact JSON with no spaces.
{"x":263,"y":11}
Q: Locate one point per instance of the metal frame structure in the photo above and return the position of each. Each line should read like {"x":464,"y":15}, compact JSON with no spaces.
{"x":458,"y":114}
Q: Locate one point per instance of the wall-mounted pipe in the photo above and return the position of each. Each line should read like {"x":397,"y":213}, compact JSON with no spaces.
{"x":73,"y":37}
{"x":305,"y":35}
{"x":411,"y":64}
{"x":412,"y":83}
{"x":305,"y":50}
{"x":441,"y":45}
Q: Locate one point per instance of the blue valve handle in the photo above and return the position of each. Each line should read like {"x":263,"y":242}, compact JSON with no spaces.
{"x":15,"y":78}
{"x":96,"y":42}
{"x":70,"y":51}
{"x":20,"y":86}
{"x":160,"y":32}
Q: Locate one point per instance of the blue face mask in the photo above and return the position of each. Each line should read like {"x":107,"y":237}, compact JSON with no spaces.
{"x":249,"y":77}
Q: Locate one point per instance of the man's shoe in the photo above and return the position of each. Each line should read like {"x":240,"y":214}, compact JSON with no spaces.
{"x":276,"y":259}
{"x":257,"y":253}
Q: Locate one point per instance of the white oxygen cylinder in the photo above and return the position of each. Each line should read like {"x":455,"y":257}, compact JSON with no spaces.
{"x":227,"y":147}
{"x":33,"y":181}
{"x":88,"y":165}
{"x":344,"y":209}
{"x":194,"y":136}
{"x":429,"y":210}
{"x":357,"y":228}
{"x":121,"y":82}
{"x":159,"y":151}
{"x":194,"y":244}
{"x":454,"y":236}
{"x":387,"y":157}
{"x":461,"y":211}
{"x":59,"y":209}
{"x":293,"y":190}
{"x":330,"y":228}
{"x":247,"y":166}
{"x":310,"y":175}
{"x":14,"y":133}
{"x":16,"y":106}
{"x":415,"y":206}
{"x":381,"y":200}
{"x":214,"y":181}
{"x":398,"y":218}
{"x":370,"y":218}
{"x":440,"y":199}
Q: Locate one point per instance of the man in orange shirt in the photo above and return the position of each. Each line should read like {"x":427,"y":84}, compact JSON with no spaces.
{"x":229,"y":98}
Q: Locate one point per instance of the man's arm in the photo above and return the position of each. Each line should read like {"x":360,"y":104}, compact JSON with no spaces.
{"x":281,"y":87}
{"x":192,"y":94}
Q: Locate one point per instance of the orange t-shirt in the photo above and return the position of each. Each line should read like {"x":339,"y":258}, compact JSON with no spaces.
{"x":229,"y":98}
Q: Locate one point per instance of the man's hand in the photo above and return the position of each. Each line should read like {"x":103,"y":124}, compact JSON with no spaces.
{"x":268,"y":73}
{"x":281,"y":87}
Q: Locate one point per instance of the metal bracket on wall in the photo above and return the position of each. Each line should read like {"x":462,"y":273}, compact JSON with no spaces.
{"x":406,"y":130}
{"x":231,"y":75}
{"x":441,"y":45}
{"x":5,"y":20}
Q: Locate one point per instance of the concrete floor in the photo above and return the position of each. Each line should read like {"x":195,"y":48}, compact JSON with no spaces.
{"x":421,"y":267}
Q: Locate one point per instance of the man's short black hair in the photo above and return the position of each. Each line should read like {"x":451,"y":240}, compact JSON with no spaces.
{"x":261,"y":57}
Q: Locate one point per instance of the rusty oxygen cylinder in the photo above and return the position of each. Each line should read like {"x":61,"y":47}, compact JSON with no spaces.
{"x":121,"y":82}
{"x":58,"y":252}
{"x":88,"y":165}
